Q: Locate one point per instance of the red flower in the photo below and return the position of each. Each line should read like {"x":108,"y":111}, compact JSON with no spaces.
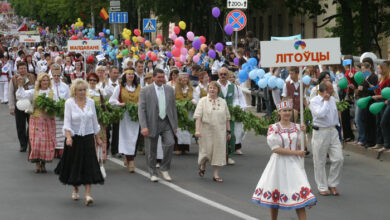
{"x":304,"y":192}
{"x":275,"y":195}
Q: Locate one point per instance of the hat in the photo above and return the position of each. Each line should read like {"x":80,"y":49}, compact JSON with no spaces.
{"x":128,"y":71}
{"x":284,"y":105}
{"x":148,"y":75}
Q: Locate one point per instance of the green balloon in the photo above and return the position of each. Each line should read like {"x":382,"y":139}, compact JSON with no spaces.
{"x":359,"y":78}
{"x":376,"y":107}
{"x":115,"y":42}
{"x":386,"y":93}
{"x":125,"y":52}
{"x":363,"y":102}
{"x":343,"y":83}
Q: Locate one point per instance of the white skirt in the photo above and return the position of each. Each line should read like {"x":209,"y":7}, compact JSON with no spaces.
{"x":128,"y":135}
{"x":239,"y":132}
{"x":183,"y":136}
{"x":60,"y":138}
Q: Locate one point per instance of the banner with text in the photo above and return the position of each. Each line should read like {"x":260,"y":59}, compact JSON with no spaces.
{"x":84,"y":45}
{"x":300,"y":52}
{"x":29,"y":38}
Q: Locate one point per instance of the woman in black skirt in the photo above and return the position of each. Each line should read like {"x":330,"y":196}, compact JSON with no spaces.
{"x":79,"y":164}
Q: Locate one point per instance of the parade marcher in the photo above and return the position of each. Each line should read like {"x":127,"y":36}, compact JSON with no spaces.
{"x":68,"y":70}
{"x":31,"y":65}
{"x":77,"y":73}
{"x":173,"y":77}
{"x":127,"y":92}
{"x":139,"y":72}
{"x":284,"y":184}
{"x":158,"y":118}
{"x":62,"y":91}
{"x":4,"y":79}
{"x":183,"y":92}
{"x":291,"y":91}
{"x":113,"y":82}
{"x":21,"y":117}
{"x":79,"y":164}
{"x":42,"y":133}
{"x":230,"y":93}
{"x":213,"y":130}
{"x":326,"y":140}
{"x":43,"y":64}
{"x":201,"y":90}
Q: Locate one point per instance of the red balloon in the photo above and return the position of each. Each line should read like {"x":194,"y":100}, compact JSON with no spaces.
{"x":178,"y":64}
{"x":154,"y":57}
{"x":178,"y":43}
{"x":136,"y":32}
{"x":176,"y":52}
{"x":84,"y":38}
{"x":202,"y":39}
{"x":149,"y":54}
{"x":176,"y":29}
{"x":74,"y":37}
{"x":142,"y":57}
{"x":159,"y":36}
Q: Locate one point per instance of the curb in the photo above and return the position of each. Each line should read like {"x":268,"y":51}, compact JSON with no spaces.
{"x":368,"y":152}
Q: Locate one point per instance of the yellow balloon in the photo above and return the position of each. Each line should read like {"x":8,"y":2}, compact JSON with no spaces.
{"x":133,"y":49}
{"x":182,"y":25}
{"x":134,"y":39}
{"x":128,"y":32}
{"x":127,"y":37}
{"x":203,"y":46}
{"x":136,"y":57}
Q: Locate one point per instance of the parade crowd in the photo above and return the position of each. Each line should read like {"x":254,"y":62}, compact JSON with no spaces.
{"x":149,"y":75}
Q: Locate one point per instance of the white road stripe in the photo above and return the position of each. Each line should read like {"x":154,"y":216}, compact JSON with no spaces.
{"x":190,"y":194}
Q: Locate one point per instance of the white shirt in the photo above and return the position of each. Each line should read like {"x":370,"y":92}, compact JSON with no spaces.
{"x":80,"y":121}
{"x":314,"y":93}
{"x":238,"y":98}
{"x":141,"y":79}
{"x":29,"y":94}
{"x":41,"y":66}
{"x":106,"y":92}
{"x":156,"y":87}
{"x":196,"y":93}
{"x":296,"y":85}
{"x":114,"y":99}
{"x":324,"y":113}
{"x":61,"y":90}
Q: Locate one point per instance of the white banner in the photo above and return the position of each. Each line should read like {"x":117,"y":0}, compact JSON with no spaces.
{"x":233,"y":4}
{"x":300,"y":52}
{"x":84,"y":45}
{"x":29,"y":38}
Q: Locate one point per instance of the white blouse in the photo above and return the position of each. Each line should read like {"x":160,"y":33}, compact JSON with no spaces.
{"x":196,"y":93}
{"x":79,"y":121}
{"x":21,"y":93}
{"x":114,"y":100}
{"x":61,"y":90}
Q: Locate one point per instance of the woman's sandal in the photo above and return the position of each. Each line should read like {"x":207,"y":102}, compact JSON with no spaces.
{"x":218,"y":179}
{"x":201,"y":172}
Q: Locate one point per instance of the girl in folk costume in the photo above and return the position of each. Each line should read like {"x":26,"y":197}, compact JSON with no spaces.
{"x":68,"y":70}
{"x":173,"y":77}
{"x":62,"y":91}
{"x":127,"y":92}
{"x":31,"y":66}
{"x":5,"y":76}
{"x":42,"y":133}
{"x":77,"y":71}
{"x":183,"y":92}
{"x":201,"y":90}
{"x":99,"y":96}
{"x":284,"y":184}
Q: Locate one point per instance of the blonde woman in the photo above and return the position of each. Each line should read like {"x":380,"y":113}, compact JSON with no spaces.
{"x":201,"y":90}
{"x":79,"y":164}
{"x":42,"y":128}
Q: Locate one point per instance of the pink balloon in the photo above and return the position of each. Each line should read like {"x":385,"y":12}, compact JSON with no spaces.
{"x":178,"y":43}
{"x":101,"y":34}
{"x":173,"y":36}
{"x":183,"y":51}
{"x":176,"y":52}
{"x":196,"y":59}
{"x":182,"y":59}
{"x":190,"y":35}
{"x":127,"y":42}
{"x":181,"y":39}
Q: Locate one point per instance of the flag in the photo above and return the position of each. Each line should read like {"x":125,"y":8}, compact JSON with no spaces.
{"x":347,"y":62}
{"x":22,"y":27}
{"x":103,"y":14}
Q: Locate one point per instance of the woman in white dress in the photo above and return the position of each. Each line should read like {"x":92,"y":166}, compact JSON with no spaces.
{"x":284,"y":184}
{"x":127,"y":92}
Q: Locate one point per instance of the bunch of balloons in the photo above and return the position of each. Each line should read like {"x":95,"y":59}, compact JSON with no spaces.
{"x":126,"y":33}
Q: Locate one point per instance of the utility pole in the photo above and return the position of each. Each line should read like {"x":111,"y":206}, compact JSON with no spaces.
{"x":92,"y":16}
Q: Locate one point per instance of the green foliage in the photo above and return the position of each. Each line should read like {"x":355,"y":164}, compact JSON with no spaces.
{"x":132,"y":109}
{"x":342,"y":105}
{"x":184,"y":122}
{"x":49,"y":106}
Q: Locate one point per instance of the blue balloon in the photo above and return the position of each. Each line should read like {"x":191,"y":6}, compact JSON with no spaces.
{"x":252,"y":61}
{"x":260,"y":73}
{"x":111,"y":37}
{"x":262,"y":83}
{"x":92,"y":30}
{"x":95,"y":38}
{"x":107,"y":31}
{"x":306,"y":79}
{"x":253,"y":74}
{"x":104,"y":40}
{"x":243,"y":76}
{"x":272,"y":82}
{"x":280,"y":83}
{"x":104,"y":30}
{"x":266,"y":76}
{"x":245,"y":66}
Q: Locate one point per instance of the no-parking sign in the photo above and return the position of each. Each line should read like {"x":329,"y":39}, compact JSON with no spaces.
{"x":237,"y":19}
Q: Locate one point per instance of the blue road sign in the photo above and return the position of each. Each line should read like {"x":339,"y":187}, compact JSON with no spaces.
{"x":119,"y":17}
{"x":237,"y":19}
{"x":149,"y":25}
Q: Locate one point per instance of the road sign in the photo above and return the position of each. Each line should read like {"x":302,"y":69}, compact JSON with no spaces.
{"x":115,"y":9}
{"x":243,"y":4}
{"x":237,"y":19}
{"x":84,"y":45}
{"x":119,"y":17}
{"x":115,"y":4}
{"x":149,"y":25}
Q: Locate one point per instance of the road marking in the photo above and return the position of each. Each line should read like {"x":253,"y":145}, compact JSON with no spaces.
{"x":190,"y":194}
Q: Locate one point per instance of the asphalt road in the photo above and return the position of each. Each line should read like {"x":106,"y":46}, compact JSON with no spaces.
{"x":365,"y":188}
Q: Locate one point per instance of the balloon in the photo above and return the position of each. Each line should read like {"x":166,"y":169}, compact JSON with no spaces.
{"x":104,"y":40}
{"x":182,"y":25}
{"x":154,"y":57}
{"x":236,"y":61}
{"x":202,"y":39}
{"x":386,"y":93}
{"x":181,"y":39}
{"x":343,"y":83}
{"x":245,"y":67}
{"x":253,"y":74}
{"x":183,"y":51}
{"x":158,"y":41}
{"x":243,"y":76}
{"x":190,"y":35}
{"x":176,"y":29}
{"x":108,"y":31}
{"x":280,"y":83}
{"x":149,"y":54}
{"x":169,"y":54}
{"x":178,"y":43}
{"x":137,"y":32}
{"x":363,"y":102}
{"x":142,"y":57}
{"x":191,"y":52}
{"x":266,"y":76}
{"x":228,"y":29}
{"x":219,"y":47}
{"x":215,"y":12}
{"x":262,"y":83}
{"x":176,"y":52}
{"x":272,"y":82}
{"x":359,"y":78}
{"x":306,"y":79}
{"x":111,"y":38}
{"x":178,"y":64}
{"x":252,"y":61}
{"x":115,"y":42}
{"x":74,"y":37}
{"x":260,"y":73}
{"x":211,"y":54}
{"x":375,"y":108}
{"x":125,"y":52}
{"x":140,"y":39}
{"x":173,"y":36}
{"x":134,"y":39}
{"x":182,"y":59}
{"x":160,"y":37}
{"x":148,"y":44}
{"x":203,"y":47}
{"x":127,"y":42}
{"x":196,"y":44}
{"x":196,"y":59}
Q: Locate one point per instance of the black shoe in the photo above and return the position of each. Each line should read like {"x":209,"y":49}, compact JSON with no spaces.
{"x":369,"y":145}
{"x":23,"y":150}
{"x":307,"y":153}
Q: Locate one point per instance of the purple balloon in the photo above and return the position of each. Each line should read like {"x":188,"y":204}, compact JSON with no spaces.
{"x":236,"y":61}
{"x":216,"y":12}
{"x":212,"y":54}
{"x":219,"y":47}
{"x":196,"y":44}
{"x":169,"y":54}
{"x":228,"y":29}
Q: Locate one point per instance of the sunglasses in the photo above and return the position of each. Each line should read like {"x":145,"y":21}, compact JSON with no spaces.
{"x":223,"y":74}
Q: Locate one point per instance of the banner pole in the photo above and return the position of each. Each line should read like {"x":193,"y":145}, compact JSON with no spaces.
{"x":301,"y":95}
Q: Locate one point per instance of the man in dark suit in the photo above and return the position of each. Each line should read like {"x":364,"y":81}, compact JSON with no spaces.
{"x":158,"y":117}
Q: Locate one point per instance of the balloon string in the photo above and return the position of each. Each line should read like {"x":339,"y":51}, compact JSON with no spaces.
{"x":219,"y":25}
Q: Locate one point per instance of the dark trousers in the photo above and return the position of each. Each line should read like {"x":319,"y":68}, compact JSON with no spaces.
{"x":379,"y":136}
{"x":369,"y":123}
{"x":346,"y":121}
{"x":21,"y":119}
{"x":114,"y":139}
{"x":385,"y":125}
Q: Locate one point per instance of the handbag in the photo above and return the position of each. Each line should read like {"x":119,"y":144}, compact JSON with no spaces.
{"x":102,"y":169}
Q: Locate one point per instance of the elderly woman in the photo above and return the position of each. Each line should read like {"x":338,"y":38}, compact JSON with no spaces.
{"x":127,"y":92}
{"x":42,"y":133}
{"x":212,"y":128}
{"x":79,"y":164}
